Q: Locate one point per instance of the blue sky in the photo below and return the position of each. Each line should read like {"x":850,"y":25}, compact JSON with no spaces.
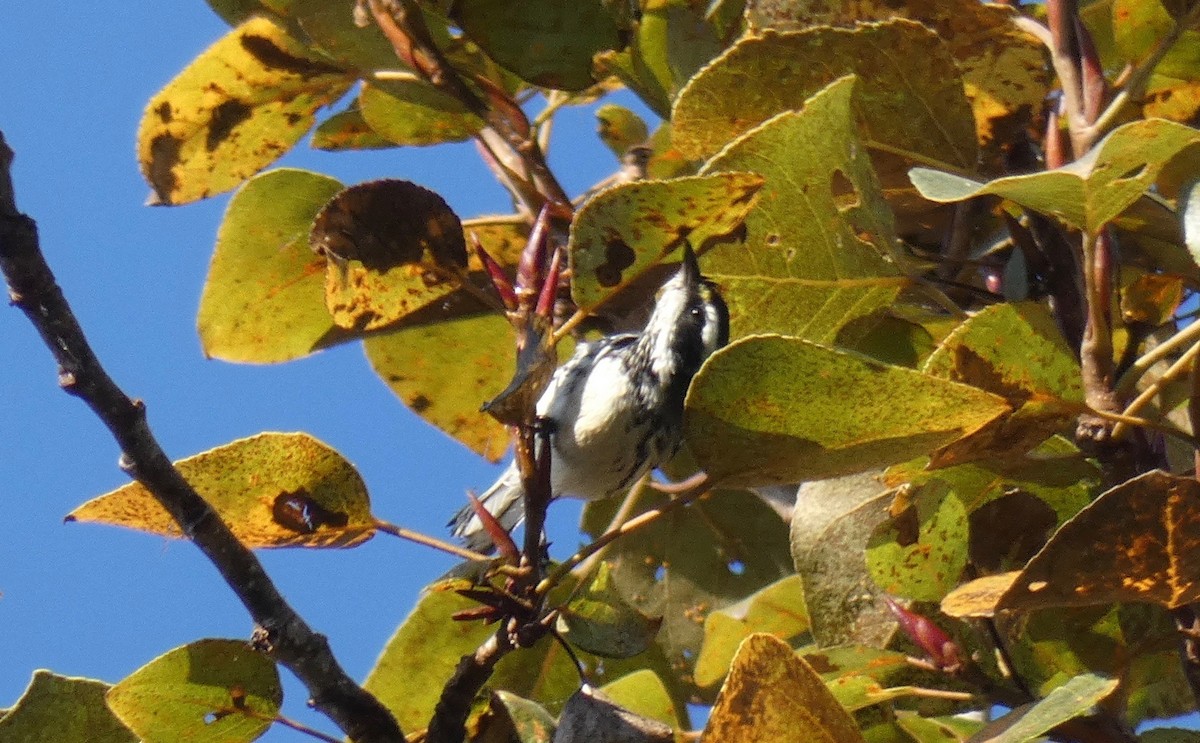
{"x":98,"y":601}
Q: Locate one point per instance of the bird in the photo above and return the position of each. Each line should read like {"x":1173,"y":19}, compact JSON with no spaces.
{"x":614,"y":410}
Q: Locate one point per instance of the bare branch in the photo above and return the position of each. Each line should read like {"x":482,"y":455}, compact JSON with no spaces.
{"x":280,"y":630}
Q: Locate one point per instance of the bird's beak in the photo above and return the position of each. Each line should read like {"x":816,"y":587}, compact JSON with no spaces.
{"x":691,"y":267}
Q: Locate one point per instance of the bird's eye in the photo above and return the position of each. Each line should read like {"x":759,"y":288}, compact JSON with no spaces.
{"x":696,"y":312}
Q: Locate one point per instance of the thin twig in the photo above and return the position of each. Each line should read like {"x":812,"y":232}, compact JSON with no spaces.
{"x":704,"y":486}
{"x":1182,"y":366}
{"x":428,"y":541}
{"x":1185,"y":337}
{"x":284,"y":634}
{"x":1139,"y":76}
{"x":628,"y":504}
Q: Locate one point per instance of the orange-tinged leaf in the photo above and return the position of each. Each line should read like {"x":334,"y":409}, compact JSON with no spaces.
{"x":443,"y":371}
{"x":977,"y":598}
{"x":1017,"y":352}
{"x":273,"y":490}
{"x":773,"y":696}
{"x":911,"y":100}
{"x":235,"y":109}
{"x":1004,"y":71}
{"x":1139,"y":541}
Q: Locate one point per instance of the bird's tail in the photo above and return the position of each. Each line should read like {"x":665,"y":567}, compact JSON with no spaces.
{"x":505,"y":500}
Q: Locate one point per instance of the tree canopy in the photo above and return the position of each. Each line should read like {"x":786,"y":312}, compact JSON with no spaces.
{"x":941,"y":484}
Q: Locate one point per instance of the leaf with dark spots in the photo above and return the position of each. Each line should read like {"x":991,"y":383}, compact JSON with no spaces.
{"x":618,"y":256}
{"x":419,"y":403}
{"x":273,"y":490}
{"x":271,"y":55}
{"x":225,"y":119}
{"x":625,"y":232}
{"x":773,"y":409}
{"x":1017,"y":352}
{"x":393,"y":248}
{"x":1138,"y":542}
{"x":236,"y":108}
{"x":774,"y":695}
{"x":300,"y":513}
{"x":164,"y":156}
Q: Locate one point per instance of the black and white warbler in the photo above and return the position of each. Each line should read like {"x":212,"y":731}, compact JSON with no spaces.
{"x":614,"y":410}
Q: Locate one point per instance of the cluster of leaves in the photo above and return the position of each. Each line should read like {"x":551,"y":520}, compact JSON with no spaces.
{"x":926,"y":299}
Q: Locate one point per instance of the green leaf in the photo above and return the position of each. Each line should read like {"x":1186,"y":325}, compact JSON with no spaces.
{"x":773,"y":695}
{"x":530,"y":721}
{"x":60,"y":709}
{"x":816,"y":247}
{"x":263,"y":300}
{"x":1070,"y":700}
{"x":911,"y":101}
{"x":234,"y":12}
{"x":420,"y":656}
{"x":777,"y":609}
{"x":670,"y":42}
{"x":235,"y":109}
{"x":392,"y":248}
{"x":623,"y":232}
{"x":443,"y":371}
{"x":1016,"y":351}
{"x":1170,"y":735}
{"x":347,"y":130}
{"x":272,"y":490}
{"x":413,"y":112}
{"x":549,"y":43}
{"x":920,"y":552}
{"x":1014,"y":504}
{"x":693,"y":561}
{"x":620,"y":128}
{"x":1088,"y":193}
{"x":840,"y":514}
{"x":330,"y":27}
{"x":775,"y":410}
{"x":955,"y":729}
{"x":643,"y":693}
{"x":209,"y":690}
{"x":600,"y":621}
{"x":1003,"y":67}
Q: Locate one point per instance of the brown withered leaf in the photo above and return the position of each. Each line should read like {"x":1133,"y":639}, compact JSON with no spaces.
{"x":392,"y":247}
{"x":1139,"y":541}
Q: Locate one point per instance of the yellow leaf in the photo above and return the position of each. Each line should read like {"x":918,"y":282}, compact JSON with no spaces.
{"x":273,"y":490}
{"x":235,"y":109}
{"x":772,"y":696}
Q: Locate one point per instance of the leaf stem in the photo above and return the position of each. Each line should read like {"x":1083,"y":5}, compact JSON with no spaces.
{"x":428,"y":541}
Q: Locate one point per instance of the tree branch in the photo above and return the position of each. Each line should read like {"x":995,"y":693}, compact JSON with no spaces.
{"x":473,"y":671}
{"x":280,"y":630}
